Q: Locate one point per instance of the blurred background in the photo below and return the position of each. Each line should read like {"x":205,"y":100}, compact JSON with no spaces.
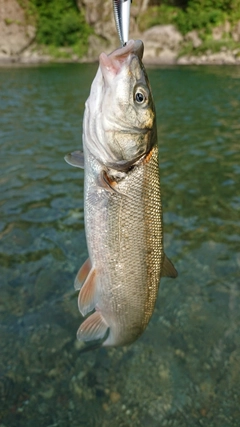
{"x":184,"y":371}
{"x":183,"y":31}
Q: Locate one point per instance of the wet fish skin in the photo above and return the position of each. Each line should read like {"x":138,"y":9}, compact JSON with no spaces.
{"x":122,"y":202}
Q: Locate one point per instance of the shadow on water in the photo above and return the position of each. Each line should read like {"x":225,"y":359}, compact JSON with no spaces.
{"x":185,"y":369}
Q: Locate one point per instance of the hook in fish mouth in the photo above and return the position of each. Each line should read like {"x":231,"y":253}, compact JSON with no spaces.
{"x":121,"y":9}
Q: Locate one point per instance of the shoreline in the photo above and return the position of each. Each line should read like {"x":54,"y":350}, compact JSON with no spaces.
{"x":154,"y":55}
{"x":226,"y":58}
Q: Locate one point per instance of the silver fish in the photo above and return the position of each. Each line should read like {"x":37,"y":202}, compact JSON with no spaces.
{"x":121,"y":9}
{"x":122,"y":202}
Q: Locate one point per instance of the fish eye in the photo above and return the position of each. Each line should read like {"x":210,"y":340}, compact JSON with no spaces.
{"x":140,"y":97}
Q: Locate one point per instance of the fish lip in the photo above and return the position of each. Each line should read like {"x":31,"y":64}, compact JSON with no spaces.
{"x":114,"y":61}
{"x":132,"y":46}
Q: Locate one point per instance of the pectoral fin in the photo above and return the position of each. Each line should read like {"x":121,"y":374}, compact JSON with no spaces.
{"x":93,"y":328}
{"x":88,"y":294}
{"x":82,"y":274}
{"x":168,"y":268}
{"x":106,"y":182}
{"x":75,"y":159}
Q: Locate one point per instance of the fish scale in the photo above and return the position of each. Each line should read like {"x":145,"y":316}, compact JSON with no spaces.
{"x":132,"y":235}
{"x":122,"y":202}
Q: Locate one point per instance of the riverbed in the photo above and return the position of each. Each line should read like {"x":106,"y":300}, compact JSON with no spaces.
{"x":185,"y":369}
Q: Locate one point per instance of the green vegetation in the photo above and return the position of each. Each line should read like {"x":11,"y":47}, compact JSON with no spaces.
{"x":199,"y":15}
{"x":59,"y":24}
{"x":63,"y":32}
{"x":157,"y":15}
{"x":197,"y":18}
{"x":9,"y":21}
{"x":194,"y":15}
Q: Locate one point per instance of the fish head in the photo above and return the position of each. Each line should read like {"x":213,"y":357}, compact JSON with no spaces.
{"x":119,"y":120}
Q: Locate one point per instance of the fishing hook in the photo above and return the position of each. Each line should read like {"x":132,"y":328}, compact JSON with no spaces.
{"x":121,"y":9}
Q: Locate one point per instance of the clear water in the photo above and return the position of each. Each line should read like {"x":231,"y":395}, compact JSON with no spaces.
{"x":185,"y":369}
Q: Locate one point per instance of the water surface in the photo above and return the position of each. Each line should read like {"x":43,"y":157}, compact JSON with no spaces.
{"x":185,"y":369}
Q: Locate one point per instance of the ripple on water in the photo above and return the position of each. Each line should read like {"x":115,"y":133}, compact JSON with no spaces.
{"x":43,"y":215}
{"x":185,"y":369}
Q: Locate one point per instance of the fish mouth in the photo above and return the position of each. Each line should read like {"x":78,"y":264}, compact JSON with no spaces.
{"x":113,"y":62}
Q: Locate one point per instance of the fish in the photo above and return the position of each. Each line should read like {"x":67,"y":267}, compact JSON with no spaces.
{"x":121,"y":9}
{"x":119,"y":281}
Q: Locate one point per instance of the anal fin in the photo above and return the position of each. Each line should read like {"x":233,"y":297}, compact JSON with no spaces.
{"x":168,"y":269}
{"x":93,"y":328}
{"x":88,"y":295}
{"x":82,"y":274}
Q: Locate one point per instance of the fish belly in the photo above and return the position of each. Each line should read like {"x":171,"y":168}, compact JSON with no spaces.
{"x":125,"y":243}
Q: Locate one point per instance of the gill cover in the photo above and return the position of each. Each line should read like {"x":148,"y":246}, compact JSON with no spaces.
{"x":119,"y":115}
